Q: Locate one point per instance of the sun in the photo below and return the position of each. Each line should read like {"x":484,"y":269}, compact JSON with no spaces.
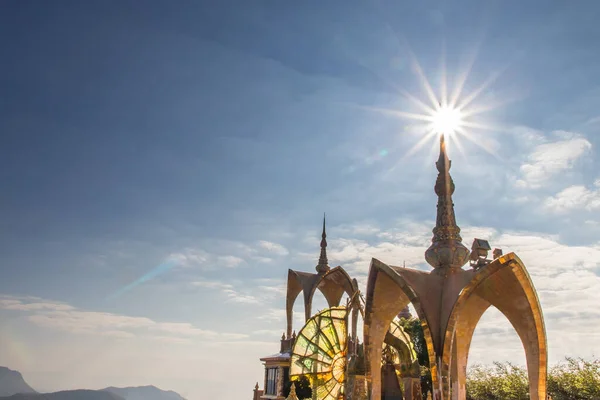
{"x":446,"y":120}
{"x":447,"y":111}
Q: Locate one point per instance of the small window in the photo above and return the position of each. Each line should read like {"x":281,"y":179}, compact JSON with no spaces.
{"x":271,"y":388}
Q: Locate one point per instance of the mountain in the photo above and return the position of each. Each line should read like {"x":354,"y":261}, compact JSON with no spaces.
{"x":12,"y":382}
{"x":14,"y":387}
{"x":66,"y":395}
{"x":144,"y":393}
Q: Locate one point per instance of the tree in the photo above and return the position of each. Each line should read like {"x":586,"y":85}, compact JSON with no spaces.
{"x":303,"y":389}
{"x":502,"y":381}
{"x":576,"y":379}
{"x":413,"y":327}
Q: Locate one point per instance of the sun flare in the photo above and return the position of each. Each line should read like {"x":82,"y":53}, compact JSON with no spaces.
{"x":446,"y":120}
{"x":450,"y":112}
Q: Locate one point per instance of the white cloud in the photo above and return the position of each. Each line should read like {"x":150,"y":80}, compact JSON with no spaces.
{"x":250,"y":294}
{"x":199,"y":258}
{"x":229,"y":261}
{"x":212,"y":285}
{"x":274,"y":248}
{"x":575,"y":197}
{"x":273,"y":314}
{"x":268,"y":332}
{"x":551,"y":158}
{"x":233,"y":296}
{"x":190,"y":257}
{"x":65,"y":318}
{"x":14,"y":304}
{"x":361,"y":229}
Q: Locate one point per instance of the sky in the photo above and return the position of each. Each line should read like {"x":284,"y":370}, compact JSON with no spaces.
{"x":162,"y":165}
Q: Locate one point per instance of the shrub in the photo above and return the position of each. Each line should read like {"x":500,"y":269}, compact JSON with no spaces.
{"x":575,"y":379}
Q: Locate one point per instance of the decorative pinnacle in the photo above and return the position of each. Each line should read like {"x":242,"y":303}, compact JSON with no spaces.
{"x":323,"y":265}
{"x":292,"y":395}
{"x":446,"y":250}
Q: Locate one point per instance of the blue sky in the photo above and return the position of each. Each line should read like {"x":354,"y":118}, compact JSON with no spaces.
{"x":163,"y":165}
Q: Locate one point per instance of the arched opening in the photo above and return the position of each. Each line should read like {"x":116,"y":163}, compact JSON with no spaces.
{"x":319,"y":302}
{"x":497,"y":365}
{"x":388,"y":294}
{"x":400,"y":368}
{"x":506,"y":285}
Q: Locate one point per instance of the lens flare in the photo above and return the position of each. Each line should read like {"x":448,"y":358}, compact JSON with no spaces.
{"x":445,"y":108}
{"x":446,"y":120}
{"x":153,"y":273}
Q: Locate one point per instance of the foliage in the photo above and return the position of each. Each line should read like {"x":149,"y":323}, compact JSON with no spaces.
{"x":502,"y":381}
{"x":576,"y":379}
{"x":413,"y":327}
{"x":303,"y":389}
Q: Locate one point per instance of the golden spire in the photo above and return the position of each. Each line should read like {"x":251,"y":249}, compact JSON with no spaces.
{"x":446,"y":250}
{"x":323,"y":266}
{"x":292,"y":395}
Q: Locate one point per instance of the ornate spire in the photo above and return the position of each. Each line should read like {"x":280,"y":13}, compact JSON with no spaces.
{"x":292,"y":395}
{"x":446,"y":250}
{"x":323,"y":265}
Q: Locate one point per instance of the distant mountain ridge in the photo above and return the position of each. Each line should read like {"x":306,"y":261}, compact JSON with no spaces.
{"x":66,"y":395}
{"x":144,"y":393}
{"x":12,"y":382}
{"x":14,"y":387}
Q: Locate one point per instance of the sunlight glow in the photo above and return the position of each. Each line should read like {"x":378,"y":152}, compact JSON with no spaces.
{"x":452,"y":112}
{"x":447,"y":120}
{"x":447,"y":106}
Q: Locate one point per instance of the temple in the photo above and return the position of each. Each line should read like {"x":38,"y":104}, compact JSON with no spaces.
{"x":333,"y":283}
{"x":449,"y":301}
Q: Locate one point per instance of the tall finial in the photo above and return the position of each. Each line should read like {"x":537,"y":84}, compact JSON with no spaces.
{"x":323,"y":266}
{"x":292,"y":395}
{"x":446,"y":250}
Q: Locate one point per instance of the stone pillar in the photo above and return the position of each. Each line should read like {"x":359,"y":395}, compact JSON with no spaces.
{"x":279,"y":383}
{"x":458,"y":371}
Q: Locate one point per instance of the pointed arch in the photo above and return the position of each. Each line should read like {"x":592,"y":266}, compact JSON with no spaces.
{"x":387,"y":294}
{"x":506,"y":285}
{"x":294,"y":287}
{"x":333,"y":284}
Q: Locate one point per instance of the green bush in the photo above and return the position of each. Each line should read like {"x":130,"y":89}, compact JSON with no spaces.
{"x":413,"y":327}
{"x":575,"y":379}
{"x":502,"y":381}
